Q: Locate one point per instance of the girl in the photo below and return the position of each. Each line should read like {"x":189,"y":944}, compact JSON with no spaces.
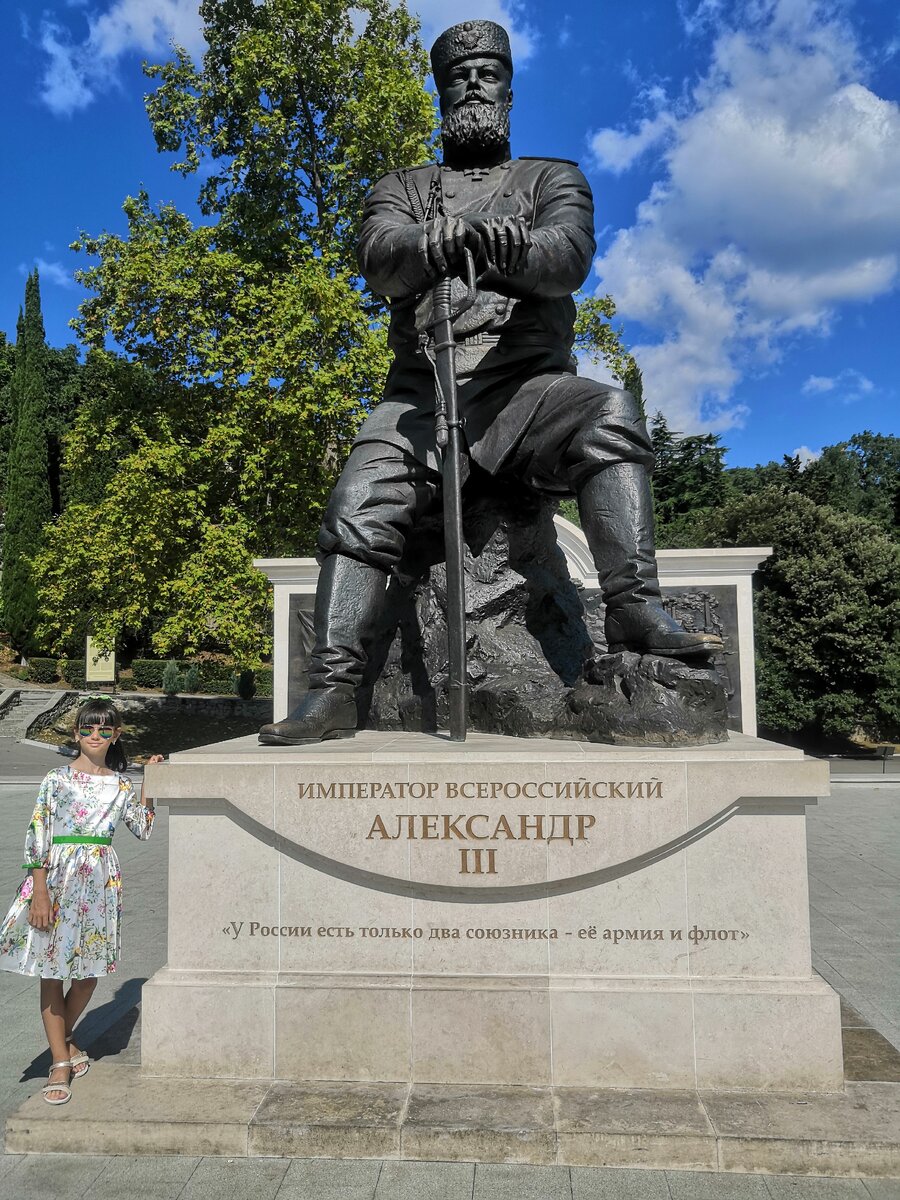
{"x":64,"y":922}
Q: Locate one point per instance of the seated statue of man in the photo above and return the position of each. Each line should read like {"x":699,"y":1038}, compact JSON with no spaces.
{"x":529,"y":224}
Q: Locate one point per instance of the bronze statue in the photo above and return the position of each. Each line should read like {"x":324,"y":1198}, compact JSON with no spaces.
{"x":528,"y":223}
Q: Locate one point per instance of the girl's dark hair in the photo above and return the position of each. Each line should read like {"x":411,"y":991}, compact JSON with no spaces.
{"x":95,"y":711}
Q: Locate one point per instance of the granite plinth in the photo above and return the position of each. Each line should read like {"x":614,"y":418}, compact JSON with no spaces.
{"x":397,"y":908}
{"x":124,"y":1110}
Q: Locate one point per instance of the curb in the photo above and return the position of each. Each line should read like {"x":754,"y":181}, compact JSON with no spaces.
{"x":37,"y":745}
{"x":875,"y":781}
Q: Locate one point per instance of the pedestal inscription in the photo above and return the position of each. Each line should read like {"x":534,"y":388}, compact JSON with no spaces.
{"x":401,"y":908}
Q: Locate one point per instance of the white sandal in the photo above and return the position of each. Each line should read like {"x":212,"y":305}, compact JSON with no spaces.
{"x":57,"y":1087}
{"x":76,"y":1060}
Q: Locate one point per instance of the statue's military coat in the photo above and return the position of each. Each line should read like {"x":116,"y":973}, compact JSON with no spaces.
{"x":516,"y":340}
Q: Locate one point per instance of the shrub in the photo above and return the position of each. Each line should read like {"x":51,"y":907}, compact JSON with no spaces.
{"x":216,"y":676}
{"x":42,"y":670}
{"x":171,"y":678}
{"x":827,"y":611}
{"x":244,"y":684}
{"x":265,"y":680}
{"x":148,"y":672}
{"x":190,"y":681}
{"x":72,"y":670}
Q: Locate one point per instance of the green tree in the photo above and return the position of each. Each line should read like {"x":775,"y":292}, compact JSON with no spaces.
{"x":62,"y":385}
{"x":597,"y":340}
{"x":860,"y":476}
{"x":7,"y":370}
{"x":600,"y":342}
{"x":264,"y":358}
{"x":827,"y":611}
{"x":747,"y":481}
{"x":28,"y":501}
{"x":689,"y":479}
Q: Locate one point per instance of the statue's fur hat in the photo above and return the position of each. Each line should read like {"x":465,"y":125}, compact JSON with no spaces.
{"x":470,"y":39}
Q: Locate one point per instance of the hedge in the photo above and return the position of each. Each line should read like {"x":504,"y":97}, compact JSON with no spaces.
{"x":42,"y":670}
{"x":72,"y":671}
{"x":148,"y":672}
{"x":216,"y":678}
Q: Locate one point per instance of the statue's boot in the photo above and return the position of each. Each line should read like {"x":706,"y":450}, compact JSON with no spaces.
{"x":349,"y":600}
{"x":616,"y":509}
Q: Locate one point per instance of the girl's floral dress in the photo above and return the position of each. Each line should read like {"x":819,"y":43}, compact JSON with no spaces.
{"x":74,"y":819}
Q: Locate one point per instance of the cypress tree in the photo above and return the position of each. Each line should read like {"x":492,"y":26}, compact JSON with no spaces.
{"x":7,"y":368}
{"x":28,"y":505}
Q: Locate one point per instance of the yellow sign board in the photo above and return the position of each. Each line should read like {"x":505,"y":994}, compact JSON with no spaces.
{"x":99,"y":665}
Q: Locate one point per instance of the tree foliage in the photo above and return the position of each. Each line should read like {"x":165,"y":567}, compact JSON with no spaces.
{"x":860,"y":476}
{"x":689,"y":478}
{"x":28,"y":500}
{"x":7,"y":369}
{"x":827,"y":613}
{"x":599,"y":341}
{"x":264,"y":360}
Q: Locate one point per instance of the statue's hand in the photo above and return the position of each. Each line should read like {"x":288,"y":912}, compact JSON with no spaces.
{"x":502,"y":241}
{"x":446,"y":241}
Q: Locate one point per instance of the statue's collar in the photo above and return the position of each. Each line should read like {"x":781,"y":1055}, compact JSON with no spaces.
{"x":477,"y":174}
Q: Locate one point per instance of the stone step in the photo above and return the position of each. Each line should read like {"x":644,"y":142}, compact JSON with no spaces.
{"x":119,"y":1109}
{"x":16,"y":719}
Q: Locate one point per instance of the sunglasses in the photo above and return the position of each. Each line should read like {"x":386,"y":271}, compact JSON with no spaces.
{"x":105,"y":731}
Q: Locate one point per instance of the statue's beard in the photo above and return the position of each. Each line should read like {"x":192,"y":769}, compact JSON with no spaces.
{"x":475,"y":129}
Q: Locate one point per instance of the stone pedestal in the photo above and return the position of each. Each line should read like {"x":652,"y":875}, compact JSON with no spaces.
{"x":400,"y":908}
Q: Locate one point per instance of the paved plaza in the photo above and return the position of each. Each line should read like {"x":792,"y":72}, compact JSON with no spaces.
{"x":854,"y":862}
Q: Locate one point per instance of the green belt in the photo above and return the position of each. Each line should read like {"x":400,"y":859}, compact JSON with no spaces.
{"x":82,"y":841}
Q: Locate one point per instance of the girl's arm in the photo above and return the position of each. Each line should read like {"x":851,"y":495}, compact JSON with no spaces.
{"x":38,"y":841}
{"x":147,"y":801}
{"x":137,"y":815}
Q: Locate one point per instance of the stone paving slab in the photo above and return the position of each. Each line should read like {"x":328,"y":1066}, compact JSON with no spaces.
{"x":602,"y":1184}
{"x":331,"y":1179}
{"x":67,"y":1177}
{"x":146,"y":1178}
{"x":416,"y":1180}
{"x":328,"y":1120}
{"x":614,"y":1128}
{"x":499,"y":1124}
{"x":855,"y":1132}
{"x":117,"y":1110}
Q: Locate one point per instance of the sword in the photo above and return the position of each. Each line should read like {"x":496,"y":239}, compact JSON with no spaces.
{"x":448,"y":437}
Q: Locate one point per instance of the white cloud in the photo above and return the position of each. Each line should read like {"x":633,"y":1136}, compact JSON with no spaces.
{"x":78,"y":70}
{"x":849,"y":386}
{"x":806,"y":456}
{"x":65,"y":87}
{"x":818,"y":383}
{"x":589,"y":369}
{"x":616,"y":150}
{"x":778,"y":202}
{"x":49,"y":272}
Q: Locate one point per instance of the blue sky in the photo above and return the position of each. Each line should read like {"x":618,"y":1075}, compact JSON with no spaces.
{"x":744,"y":156}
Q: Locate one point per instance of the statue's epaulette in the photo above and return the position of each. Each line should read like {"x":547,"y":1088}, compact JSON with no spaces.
{"x":546,"y":158}
{"x":402,"y":171}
